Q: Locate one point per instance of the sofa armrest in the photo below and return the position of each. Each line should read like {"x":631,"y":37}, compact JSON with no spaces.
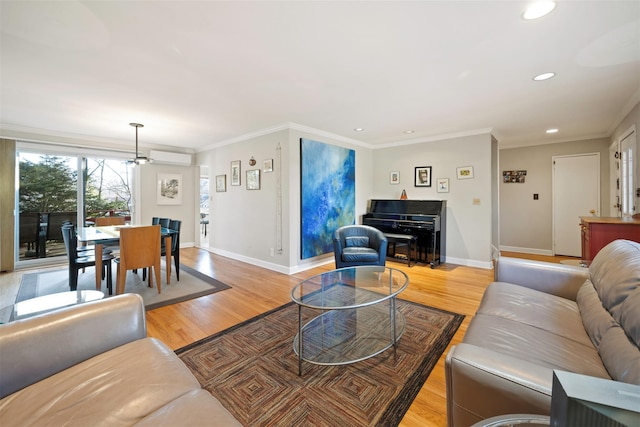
{"x":482,"y":383}
{"x":556,"y":279}
{"x":35,"y":348}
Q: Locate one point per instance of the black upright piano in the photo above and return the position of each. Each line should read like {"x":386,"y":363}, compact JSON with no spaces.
{"x":425,"y":219}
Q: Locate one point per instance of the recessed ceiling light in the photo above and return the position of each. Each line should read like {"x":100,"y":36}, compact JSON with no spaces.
{"x":552,"y":130}
{"x":359,"y":129}
{"x":544,"y":76}
{"x":539,"y":9}
{"x":409,"y":131}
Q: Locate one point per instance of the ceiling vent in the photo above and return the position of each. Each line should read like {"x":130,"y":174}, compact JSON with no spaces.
{"x":168,"y":158}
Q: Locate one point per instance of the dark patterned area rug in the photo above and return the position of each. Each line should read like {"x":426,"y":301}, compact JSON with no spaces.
{"x":252,"y":369}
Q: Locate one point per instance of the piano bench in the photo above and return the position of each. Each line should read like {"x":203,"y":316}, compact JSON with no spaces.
{"x":407,"y":239}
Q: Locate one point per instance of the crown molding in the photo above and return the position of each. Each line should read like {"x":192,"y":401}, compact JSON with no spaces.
{"x":47,"y":136}
{"x":434,"y":138}
{"x":281,"y":127}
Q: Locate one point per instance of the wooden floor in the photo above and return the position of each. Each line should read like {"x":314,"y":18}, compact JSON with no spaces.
{"x":256,"y":290}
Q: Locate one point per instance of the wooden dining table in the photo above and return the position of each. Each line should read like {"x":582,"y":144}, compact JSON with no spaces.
{"x":100,"y":236}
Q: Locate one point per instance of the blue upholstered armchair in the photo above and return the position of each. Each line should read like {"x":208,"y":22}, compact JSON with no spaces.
{"x":359,"y":245}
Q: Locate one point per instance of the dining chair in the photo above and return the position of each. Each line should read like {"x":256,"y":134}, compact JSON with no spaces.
{"x":78,"y":261}
{"x":155,"y":220}
{"x":85,"y":249}
{"x":174,"y":225}
{"x":204,"y":222}
{"x":164,"y":223}
{"x":139,"y":248}
{"x":109,"y":220}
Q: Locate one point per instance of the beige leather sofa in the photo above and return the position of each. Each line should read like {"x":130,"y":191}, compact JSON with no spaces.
{"x":537,"y":317}
{"x":92,"y":365}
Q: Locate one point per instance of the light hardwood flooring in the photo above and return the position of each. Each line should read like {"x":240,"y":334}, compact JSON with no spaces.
{"x":256,"y":290}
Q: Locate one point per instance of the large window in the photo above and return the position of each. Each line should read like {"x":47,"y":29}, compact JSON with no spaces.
{"x":55,"y":188}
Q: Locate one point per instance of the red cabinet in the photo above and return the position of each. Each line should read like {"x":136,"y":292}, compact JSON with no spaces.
{"x":597,"y":232}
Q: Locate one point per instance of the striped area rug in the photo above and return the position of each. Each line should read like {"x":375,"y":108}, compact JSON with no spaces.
{"x":252,"y":369}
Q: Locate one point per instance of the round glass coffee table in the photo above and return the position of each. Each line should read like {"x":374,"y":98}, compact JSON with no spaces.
{"x":357,"y":314}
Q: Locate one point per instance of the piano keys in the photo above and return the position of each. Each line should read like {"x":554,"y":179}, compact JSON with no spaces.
{"x":425,"y":219}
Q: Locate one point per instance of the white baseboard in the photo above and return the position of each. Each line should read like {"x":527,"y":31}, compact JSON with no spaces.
{"x":269,"y":265}
{"x":532,"y":251}
{"x":487,"y":265}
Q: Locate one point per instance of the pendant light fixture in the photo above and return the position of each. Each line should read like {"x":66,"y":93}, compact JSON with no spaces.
{"x":139,"y":160}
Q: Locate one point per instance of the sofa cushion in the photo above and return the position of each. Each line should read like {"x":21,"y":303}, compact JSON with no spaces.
{"x":196,"y":408}
{"x":116,"y":388}
{"x":609,"y":304}
{"x":535,"y":327}
{"x":615,"y":274}
{"x":540,"y":310}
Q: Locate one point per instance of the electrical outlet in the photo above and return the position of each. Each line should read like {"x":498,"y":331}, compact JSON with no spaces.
{"x":272,"y":252}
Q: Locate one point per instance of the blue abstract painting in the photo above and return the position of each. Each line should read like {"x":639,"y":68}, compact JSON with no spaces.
{"x":328,"y":194}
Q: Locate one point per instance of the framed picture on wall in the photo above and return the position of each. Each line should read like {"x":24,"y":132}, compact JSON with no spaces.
{"x":394,"y":177}
{"x":423,"y":176}
{"x":267,"y":165}
{"x":253,"y":179}
{"x":442,"y":185}
{"x":221,"y":183}
{"x":170,"y":189}
{"x":235,"y":172}
{"x":465,"y":172}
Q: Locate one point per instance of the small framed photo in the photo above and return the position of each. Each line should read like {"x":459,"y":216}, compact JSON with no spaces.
{"x":423,"y":176}
{"x":442,"y":185}
{"x":169,"y":189}
{"x":465,"y":172}
{"x":221,"y":183}
{"x":235,"y":172}
{"x":253,"y":179}
{"x":267,"y":165}
{"x":394,"y":177}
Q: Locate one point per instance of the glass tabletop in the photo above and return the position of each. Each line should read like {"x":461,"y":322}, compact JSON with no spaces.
{"x":110,"y":233}
{"x":350,"y":287}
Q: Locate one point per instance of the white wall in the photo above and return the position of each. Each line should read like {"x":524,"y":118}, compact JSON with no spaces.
{"x":243,"y":223}
{"x":526,"y":225}
{"x":469,"y":225}
{"x":148,"y":207}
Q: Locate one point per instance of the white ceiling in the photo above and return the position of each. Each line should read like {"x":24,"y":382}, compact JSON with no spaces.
{"x":200,"y":73}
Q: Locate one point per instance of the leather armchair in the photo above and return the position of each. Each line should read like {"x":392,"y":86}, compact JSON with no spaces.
{"x":355,"y":245}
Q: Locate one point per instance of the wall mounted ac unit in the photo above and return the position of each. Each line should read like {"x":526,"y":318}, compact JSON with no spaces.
{"x":167,"y":158}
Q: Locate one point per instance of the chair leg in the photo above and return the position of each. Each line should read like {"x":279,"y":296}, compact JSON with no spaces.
{"x":73,"y":278}
{"x":176,"y":263}
{"x":120,"y":276}
{"x":156,"y":270}
{"x":109,"y":278}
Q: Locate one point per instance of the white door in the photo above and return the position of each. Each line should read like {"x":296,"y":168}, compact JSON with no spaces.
{"x":576,"y":193}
